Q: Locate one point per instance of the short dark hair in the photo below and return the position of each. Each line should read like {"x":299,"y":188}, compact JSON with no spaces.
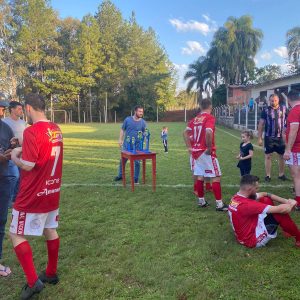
{"x":138,"y":107}
{"x":293,"y":95}
{"x":205,"y":104}
{"x":248,"y":180}
{"x":14,"y":104}
{"x":36,"y":101}
{"x":273,"y":95}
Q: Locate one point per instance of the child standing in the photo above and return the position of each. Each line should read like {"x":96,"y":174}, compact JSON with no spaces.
{"x":246,"y":153}
{"x":164,"y":137}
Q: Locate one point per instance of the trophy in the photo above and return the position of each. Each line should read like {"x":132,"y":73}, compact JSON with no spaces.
{"x":133,"y":144}
{"x":128,"y":143}
{"x":147,"y":136}
{"x":140,"y":143}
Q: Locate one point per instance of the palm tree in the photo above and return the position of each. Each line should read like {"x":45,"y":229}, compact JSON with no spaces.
{"x":200,"y":76}
{"x":293,"y":46}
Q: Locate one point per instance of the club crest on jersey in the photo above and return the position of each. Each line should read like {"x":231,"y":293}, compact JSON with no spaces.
{"x":199,"y":119}
{"x":54,"y":136}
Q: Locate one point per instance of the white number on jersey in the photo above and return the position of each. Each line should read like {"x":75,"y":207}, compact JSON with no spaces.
{"x":197,"y":133}
{"x":55,"y":152}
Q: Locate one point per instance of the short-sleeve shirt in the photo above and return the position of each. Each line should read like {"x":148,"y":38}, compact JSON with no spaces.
{"x":132,"y":127}
{"x":244,"y":215}
{"x":294,"y":118}
{"x":40,"y":188}
{"x":275,"y":120}
{"x":244,"y":151}
{"x":198,"y":127}
{"x":17,"y":127}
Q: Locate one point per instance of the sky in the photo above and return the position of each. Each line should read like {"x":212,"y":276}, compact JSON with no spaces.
{"x":186,"y":28}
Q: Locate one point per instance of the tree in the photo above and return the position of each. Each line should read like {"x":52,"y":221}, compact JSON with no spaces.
{"x":266,"y":73}
{"x":293,"y":46}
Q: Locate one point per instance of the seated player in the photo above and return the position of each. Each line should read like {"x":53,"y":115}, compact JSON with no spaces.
{"x":255,"y":218}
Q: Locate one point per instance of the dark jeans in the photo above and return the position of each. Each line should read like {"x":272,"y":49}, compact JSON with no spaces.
{"x":165,"y":143}
{"x":14,"y":175}
{"x":6,"y":179}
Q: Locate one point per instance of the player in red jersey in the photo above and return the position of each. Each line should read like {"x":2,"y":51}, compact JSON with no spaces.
{"x":203,"y":150}
{"x":292,"y":149}
{"x":35,"y":211}
{"x":255,"y":219}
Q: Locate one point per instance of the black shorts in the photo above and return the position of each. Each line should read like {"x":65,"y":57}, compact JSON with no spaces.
{"x":274,"y":145}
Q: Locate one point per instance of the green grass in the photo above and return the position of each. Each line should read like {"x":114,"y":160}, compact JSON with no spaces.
{"x":116,"y":244}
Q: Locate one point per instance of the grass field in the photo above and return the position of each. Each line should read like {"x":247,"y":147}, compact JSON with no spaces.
{"x":116,"y":244}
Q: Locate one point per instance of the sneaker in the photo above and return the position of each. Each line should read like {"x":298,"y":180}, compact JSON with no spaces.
{"x":205,"y":204}
{"x":136,"y":181}
{"x":224,"y":207}
{"x":47,"y":279}
{"x":283,"y":178}
{"x":27,"y":292}
{"x":118,"y":178}
{"x":267,"y":178}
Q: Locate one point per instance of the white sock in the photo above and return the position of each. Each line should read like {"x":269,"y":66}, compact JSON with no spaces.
{"x":219,"y":203}
{"x":201,"y":201}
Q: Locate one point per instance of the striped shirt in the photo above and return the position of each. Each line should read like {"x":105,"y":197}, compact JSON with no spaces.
{"x":275,"y":120}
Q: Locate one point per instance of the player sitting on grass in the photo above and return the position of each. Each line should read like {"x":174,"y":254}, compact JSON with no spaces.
{"x":255,"y":218}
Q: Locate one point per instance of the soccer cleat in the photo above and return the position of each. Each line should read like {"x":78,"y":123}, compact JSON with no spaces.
{"x":202,"y":205}
{"x":118,"y":178}
{"x":282,"y":177}
{"x":27,"y":292}
{"x":224,"y":207}
{"x":48,"y":279}
{"x":267,"y":178}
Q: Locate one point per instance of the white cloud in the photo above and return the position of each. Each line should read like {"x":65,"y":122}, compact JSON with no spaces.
{"x":281,"y":51}
{"x":191,"y":25}
{"x":266,"y":56}
{"x":193,"y":47}
{"x":255,"y":60}
{"x":206,"y":17}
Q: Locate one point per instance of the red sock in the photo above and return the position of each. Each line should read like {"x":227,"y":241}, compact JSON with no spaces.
{"x":53,"y":247}
{"x":297,"y":198}
{"x":288,"y":225}
{"x":200,"y":188}
{"x":216,"y":187}
{"x":208,"y":186}
{"x":195,"y":187}
{"x":24,"y":254}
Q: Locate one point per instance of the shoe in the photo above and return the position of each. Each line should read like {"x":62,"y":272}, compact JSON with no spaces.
{"x":222,"y":208}
{"x":27,"y":292}
{"x":205,"y":204}
{"x":283,"y":178}
{"x":47,"y":279}
{"x":267,"y":178}
{"x":118,"y":178}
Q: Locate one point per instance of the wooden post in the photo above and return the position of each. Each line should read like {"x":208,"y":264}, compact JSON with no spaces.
{"x":84,"y":117}
{"x":78,"y":108}
{"x":115,"y":117}
{"x":157,"y":114}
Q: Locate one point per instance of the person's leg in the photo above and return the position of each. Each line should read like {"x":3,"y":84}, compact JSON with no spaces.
{"x":268,"y":164}
{"x":120,"y":169}
{"x":166,"y":147}
{"x":208,"y":186}
{"x":200,"y":191}
{"x":295,"y":173}
{"x":52,"y":240}
{"x":281,"y":165}
{"x":137,"y":167}
{"x":217,"y":190}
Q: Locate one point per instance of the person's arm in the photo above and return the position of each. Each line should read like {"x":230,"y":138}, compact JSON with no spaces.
{"x":280,"y":209}
{"x":291,"y":140}
{"x":16,"y":158}
{"x":121,"y":138}
{"x":208,"y":140}
{"x":277,"y":198}
{"x":248,"y":156}
{"x":260,"y":130}
{"x":187,"y":140}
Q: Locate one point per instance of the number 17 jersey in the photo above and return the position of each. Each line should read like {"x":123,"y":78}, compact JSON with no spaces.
{"x":42,"y":149}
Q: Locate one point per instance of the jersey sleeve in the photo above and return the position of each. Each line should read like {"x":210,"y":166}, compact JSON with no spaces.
{"x":294,"y":116}
{"x":30,"y":149}
{"x":189,"y":125}
{"x":252,"y":208}
{"x":210,"y":123}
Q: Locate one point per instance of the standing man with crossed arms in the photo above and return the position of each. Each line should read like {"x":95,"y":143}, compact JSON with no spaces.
{"x":202,"y":148}
{"x":35,"y":211}
{"x":292,"y":150}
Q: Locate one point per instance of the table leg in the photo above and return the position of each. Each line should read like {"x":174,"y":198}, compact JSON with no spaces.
{"x":132,"y":174}
{"x":144,"y":171}
{"x":123,"y":171}
{"x":154,"y":174}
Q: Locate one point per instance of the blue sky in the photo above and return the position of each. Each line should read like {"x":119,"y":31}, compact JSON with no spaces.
{"x":185,"y":28}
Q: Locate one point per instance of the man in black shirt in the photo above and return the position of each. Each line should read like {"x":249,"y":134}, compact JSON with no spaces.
{"x":273,"y":119}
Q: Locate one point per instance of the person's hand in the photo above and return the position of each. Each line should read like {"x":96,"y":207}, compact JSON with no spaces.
{"x":190,"y":150}
{"x":260,"y":142}
{"x":7,"y":154}
{"x":238,"y":157}
{"x":292,"y":202}
{"x":16,"y":152}
{"x":120,"y":143}
{"x":208,"y":151}
{"x":286,"y":155}
{"x":14,"y":142}
{"x":287,"y":208}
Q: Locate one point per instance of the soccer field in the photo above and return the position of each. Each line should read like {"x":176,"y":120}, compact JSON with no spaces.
{"x":116,"y":244}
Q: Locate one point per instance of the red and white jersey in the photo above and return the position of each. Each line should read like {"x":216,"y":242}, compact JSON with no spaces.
{"x":247,"y":220}
{"x":294,"y":118}
{"x":198,"y":127}
{"x":42,"y":149}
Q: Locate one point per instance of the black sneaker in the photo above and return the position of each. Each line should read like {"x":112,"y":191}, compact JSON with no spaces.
{"x":118,"y":178}
{"x":222,"y":208}
{"x":205,"y":204}
{"x":47,"y":279}
{"x":27,"y":292}
{"x":283,"y":178}
{"x":267,"y":178}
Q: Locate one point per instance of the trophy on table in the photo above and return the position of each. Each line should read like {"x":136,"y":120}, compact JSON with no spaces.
{"x":140,"y":143}
{"x":133,"y":144}
{"x":128,"y":148}
{"x":147,"y":137}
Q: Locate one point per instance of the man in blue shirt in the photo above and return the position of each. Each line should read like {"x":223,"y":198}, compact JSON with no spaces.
{"x":273,"y":119}
{"x":130,"y":128}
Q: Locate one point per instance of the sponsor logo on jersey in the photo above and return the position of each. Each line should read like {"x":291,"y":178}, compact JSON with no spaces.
{"x":46,"y":192}
{"x":54,"y":135}
{"x":52,"y":181}
{"x":21,"y":223}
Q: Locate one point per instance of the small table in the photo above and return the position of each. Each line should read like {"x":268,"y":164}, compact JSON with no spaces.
{"x":138,"y":155}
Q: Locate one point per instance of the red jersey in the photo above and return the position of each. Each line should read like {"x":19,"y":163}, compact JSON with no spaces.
{"x":246,"y":216}
{"x":294,"y":118}
{"x":197,"y":127}
{"x":40,"y":188}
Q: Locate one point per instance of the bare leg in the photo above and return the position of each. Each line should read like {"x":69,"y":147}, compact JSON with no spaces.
{"x":281,"y":164}
{"x":268,"y":164}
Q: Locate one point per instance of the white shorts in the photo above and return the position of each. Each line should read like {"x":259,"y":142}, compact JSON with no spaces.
{"x":207,"y":166}
{"x":294,"y":159}
{"x":32,"y":223}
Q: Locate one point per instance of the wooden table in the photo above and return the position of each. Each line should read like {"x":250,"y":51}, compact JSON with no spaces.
{"x":138,"y":155}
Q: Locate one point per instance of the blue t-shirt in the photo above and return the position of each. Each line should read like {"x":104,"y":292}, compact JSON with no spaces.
{"x":132,"y":127}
